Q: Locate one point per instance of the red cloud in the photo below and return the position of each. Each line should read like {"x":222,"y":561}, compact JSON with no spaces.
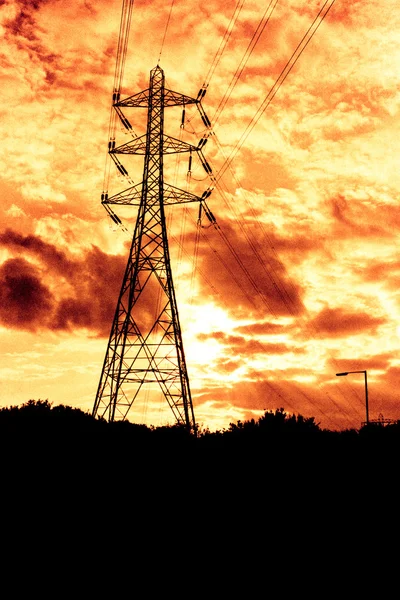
{"x":346,"y":14}
{"x":34,"y":246}
{"x":30,"y":297}
{"x":261,"y":329}
{"x":386,"y":272}
{"x":250,"y":282}
{"x":336,"y":322}
{"x":355,"y":217}
{"x":379,"y":362}
{"x":262,"y":394}
{"x":25,"y":301}
{"x":228,"y":366}
{"x":248,"y":347}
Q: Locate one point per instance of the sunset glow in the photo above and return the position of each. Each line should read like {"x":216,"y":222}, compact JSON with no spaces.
{"x":298,"y":280}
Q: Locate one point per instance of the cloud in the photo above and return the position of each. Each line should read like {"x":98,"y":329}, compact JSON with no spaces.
{"x":54,"y":259}
{"x":23,"y":31}
{"x":363,"y":217}
{"x":348,"y":14}
{"x":228,"y":366}
{"x":66,"y":293}
{"x":56,"y":292}
{"x":248,"y":348}
{"x":236,"y":344}
{"x":252,"y":398}
{"x":379,"y":362}
{"x":262,"y":328}
{"x":386,"y":273}
{"x":250,"y":277}
{"x":22,"y":23}
{"x":25,"y":301}
{"x":339,"y":322}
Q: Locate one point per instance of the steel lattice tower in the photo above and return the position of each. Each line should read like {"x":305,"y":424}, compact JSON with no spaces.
{"x":143,"y":348}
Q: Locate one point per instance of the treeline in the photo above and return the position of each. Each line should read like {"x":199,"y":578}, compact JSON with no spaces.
{"x":38,"y":421}
{"x":44,"y":443}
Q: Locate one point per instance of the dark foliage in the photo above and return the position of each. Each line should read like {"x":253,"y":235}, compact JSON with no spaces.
{"x":60,"y":447}
{"x":38,"y":421}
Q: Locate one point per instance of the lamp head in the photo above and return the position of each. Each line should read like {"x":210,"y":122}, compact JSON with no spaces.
{"x":341,"y":374}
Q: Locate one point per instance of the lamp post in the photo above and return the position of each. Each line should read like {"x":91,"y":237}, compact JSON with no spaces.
{"x":366,"y":389}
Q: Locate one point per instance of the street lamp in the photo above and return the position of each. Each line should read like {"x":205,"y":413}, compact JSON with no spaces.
{"x":366,"y":388}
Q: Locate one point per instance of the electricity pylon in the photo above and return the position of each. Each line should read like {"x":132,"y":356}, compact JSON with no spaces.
{"x":145,"y":344}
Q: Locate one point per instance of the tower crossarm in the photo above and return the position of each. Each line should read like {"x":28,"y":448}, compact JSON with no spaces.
{"x":175,"y":99}
{"x":174,"y":195}
{"x":129,"y":197}
{"x":141,"y":100}
{"x":132,"y":196}
{"x":138,"y":146}
{"x":174,"y":146}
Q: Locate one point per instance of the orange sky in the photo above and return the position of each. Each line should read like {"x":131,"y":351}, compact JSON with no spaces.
{"x":301,"y":280}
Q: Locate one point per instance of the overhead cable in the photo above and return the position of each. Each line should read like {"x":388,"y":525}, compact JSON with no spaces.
{"x":278,"y":83}
{"x":252,"y":44}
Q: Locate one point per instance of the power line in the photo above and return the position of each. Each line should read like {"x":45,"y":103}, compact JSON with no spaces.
{"x":223,"y":43}
{"x":278,"y":83}
{"x":292,"y":61}
{"x":252,"y":44}
{"x":165,"y":32}
{"x":125,"y":23}
{"x":123,"y":38}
